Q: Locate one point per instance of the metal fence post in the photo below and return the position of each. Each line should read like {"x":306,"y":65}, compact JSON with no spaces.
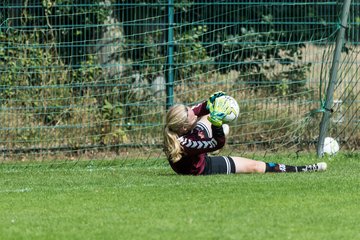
{"x":333,"y":78}
{"x":170,"y":57}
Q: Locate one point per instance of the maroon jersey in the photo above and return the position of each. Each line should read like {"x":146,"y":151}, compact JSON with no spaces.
{"x":196,"y":144}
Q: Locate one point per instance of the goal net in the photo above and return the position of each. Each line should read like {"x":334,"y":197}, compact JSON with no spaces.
{"x":92,"y":80}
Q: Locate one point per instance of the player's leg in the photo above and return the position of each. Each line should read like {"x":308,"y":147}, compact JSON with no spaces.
{"x":245,"y":165}
{"x":227,"y":165}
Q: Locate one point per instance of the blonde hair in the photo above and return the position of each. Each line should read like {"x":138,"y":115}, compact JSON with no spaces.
{"x":176,"y":119}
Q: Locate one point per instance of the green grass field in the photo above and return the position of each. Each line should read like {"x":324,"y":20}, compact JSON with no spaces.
{"x":146,"y":200}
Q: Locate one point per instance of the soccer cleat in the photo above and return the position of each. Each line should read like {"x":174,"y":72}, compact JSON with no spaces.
{"x":315,"y":167}
{"x":322,"y":166}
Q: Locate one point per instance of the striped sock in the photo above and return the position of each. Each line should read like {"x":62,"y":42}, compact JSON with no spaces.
{"x":276,"y":167}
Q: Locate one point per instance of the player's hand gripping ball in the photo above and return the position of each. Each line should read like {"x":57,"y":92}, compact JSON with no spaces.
{"x":216,"y":118}
{"x":227,"y":105}
{"x":211,"y":100}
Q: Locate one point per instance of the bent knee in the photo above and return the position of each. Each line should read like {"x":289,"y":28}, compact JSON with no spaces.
{"x":252,"y":167}
{"x":258,"y":167}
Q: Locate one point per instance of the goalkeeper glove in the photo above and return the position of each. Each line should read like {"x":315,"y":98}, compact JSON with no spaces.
{"x":216,"y":118}
{"x":211,"y":100}
{"x":219,"y":111}
{"x":221,"y":106}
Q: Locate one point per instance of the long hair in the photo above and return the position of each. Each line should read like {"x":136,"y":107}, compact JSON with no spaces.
{"x":176,"y":119}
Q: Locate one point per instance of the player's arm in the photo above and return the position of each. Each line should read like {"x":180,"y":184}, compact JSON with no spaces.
{"x":206,"y":107}
{"x":195,"y":146}
{"x":200,"y":109}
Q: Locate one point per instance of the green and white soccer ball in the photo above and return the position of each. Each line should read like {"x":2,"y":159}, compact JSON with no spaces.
{"x":231,"y":106}
{"x":331,"y":146}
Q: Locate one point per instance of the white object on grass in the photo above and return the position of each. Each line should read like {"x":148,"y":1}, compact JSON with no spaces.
{"x":226,"y":129}
{"x":331,"y":146}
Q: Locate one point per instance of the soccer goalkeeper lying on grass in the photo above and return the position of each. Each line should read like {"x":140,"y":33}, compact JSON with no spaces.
{"x":191,"y":133}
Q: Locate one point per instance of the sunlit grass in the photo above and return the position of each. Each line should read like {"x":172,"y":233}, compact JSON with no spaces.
{"x":146,"y":200}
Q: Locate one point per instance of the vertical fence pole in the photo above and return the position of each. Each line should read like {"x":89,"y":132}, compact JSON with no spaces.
{"x":170,"y":57}
{"x":333,"y":78}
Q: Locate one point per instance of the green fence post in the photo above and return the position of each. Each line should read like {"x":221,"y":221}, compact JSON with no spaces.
{"x":170,"y":57}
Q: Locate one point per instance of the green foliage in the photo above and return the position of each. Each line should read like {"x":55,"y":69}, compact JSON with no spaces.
{"x":112,"y":131}
{"x":293,"y":80}
{"x":31,"y":77}
{"x":88,"y":73}
{"x":263,"y":60}
{"x":110,"y":112}
{"x":76,"y":15}
{"x":191,"y":54}
{"x":253,"y":49}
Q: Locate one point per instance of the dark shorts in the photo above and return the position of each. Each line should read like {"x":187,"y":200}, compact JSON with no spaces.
{"x":219,"y":165}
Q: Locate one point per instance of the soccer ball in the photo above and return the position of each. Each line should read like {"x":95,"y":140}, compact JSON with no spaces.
{"x":331,"y":146}
{"x":228,"y":102}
